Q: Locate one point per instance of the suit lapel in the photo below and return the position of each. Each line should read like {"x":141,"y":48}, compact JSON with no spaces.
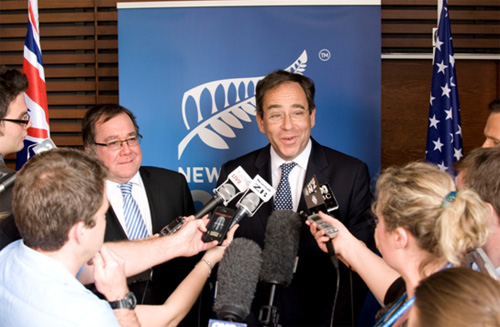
{"x":263,"y":167}
{"x":151,"y":194}
{"x":114,"y":230}
{"x":315,"y":166}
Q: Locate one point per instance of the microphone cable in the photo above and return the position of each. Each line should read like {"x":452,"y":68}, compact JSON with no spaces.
{"x":335,"y":262}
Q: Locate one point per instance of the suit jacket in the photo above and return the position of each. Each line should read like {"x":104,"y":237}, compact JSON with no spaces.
{"x":308,"y":300}
{"x":169,"y":197}
{"x":8,"y":228}
{"x":6,"y":196}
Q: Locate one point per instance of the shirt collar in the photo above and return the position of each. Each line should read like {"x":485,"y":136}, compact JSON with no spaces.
{"x":136,"y":180}
{"x":301,"y":160}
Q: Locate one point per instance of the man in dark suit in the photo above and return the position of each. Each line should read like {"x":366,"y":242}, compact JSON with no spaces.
{"x":112,"y":134}
{"x":14,"y":124}
{"x":286,"y":113}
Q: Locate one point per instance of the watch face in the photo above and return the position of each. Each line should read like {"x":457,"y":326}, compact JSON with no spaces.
{"x":132,"y":301}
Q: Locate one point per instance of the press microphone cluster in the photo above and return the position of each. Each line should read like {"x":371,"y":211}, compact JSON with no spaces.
{"x":236,"y":183}
{"x":237,"y":280}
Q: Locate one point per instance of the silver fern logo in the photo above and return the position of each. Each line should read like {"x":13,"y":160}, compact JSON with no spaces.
{"x":221,"y":124}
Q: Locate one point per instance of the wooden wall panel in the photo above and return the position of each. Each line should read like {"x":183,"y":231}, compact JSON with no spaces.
{"x":80,"y":55}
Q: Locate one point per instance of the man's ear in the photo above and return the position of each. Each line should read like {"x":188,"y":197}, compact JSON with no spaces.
{"x":78,"y":232}
{"x":260,"y":123}
{"x":89,"y":149}
{"x":494,"y":217}
{"x":400,"y":237}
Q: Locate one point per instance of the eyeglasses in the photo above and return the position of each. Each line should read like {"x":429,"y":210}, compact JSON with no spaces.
{"x":116,"y":145}
{"x":24,"y":121}
{"x":278,"y":117}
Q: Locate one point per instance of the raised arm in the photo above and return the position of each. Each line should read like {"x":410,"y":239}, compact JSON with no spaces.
{"x":140,"y":255}
{"x":375,"y":272}
{"x":182,"y":299}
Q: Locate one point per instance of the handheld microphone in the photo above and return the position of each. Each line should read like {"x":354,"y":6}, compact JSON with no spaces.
{"x":282,"y":238}
{"x":7,"y":180}
{"x":259,"y":191}
{"x":226,"y":192}
{"x":237,"y":279}
{"x":245,"y":207}
{"x":43,"y":146}
{"x":223,"y":194}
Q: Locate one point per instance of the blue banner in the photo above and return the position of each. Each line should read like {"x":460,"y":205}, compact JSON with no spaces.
{"x":189,"y":75}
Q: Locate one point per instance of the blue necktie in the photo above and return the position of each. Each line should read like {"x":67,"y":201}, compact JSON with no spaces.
{"x":133,"y":219}
{"x":283,"y":199}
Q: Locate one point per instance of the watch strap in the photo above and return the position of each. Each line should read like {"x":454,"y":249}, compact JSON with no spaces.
{"x":128,"y":302}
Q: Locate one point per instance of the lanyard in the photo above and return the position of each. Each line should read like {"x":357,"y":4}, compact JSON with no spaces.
{"x":399,"y":312}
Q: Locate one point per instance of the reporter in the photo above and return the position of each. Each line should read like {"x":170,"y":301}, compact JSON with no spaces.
{"x":424,"y":225}
{"x":60,"y":205}
{"x":458,"y":297}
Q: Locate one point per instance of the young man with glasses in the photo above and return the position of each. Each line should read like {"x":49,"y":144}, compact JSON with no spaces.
{"x":14,"y":122}
{"x":286,"y":113}
{"x":155,"y":197}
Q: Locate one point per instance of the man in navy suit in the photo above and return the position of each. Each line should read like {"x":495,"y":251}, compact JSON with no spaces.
{"x":111,"y":133}
{"x":286,"y":113}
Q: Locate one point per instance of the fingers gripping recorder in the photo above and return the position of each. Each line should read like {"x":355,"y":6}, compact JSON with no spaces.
{"x":236,"y":183}
{"x":259,"y":191}
{"x":321,"y":198}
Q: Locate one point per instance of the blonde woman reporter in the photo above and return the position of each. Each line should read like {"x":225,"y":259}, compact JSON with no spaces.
{"x":424,"y":226}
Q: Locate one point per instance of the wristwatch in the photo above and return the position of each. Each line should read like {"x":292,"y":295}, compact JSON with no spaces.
{"x":128,"y":302}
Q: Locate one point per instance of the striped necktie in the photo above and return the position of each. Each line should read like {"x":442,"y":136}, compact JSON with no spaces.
{"x":133,"y":219}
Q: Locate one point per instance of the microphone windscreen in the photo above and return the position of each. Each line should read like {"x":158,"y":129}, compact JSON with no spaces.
{"x":281,"y":245}
{"x":250,"y":201}
{"x":237,"y":279}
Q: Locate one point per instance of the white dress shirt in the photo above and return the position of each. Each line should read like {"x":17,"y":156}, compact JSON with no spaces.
{"x":115,"y":198}
{"x":297,"y":175}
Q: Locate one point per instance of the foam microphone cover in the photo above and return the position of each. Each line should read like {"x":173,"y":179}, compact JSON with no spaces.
{"x":237,"y":280}
{"x":281,"y":245}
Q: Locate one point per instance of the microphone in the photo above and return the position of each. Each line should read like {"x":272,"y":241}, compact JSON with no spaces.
{"x":226,"y":191}
{"x":6,"y":180}
{"x":245,"y":207}
{"x":282,"y":238}
{"x":259,"y":191}
{"x":237,"y":279}
{"x":223,"y":194}
{"x":43,"y":146}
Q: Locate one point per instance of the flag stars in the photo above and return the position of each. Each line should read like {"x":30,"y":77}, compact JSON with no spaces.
{"x":434,"y":122}
{"x":437,"y":144}
{"x":452,"y":60}
{"x":458,"y":153}
{"x":449,"y":114}
{"x":442,"y":167}
{"x":438,"y":43}
{"x":441,"y":67}
{"x":446,"y":90}
{"x":459,"y":132}
{"x":432,"y":99}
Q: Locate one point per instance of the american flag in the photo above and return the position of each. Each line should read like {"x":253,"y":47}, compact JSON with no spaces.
{"x":444,"y":133}
{"x":36,"y":94}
